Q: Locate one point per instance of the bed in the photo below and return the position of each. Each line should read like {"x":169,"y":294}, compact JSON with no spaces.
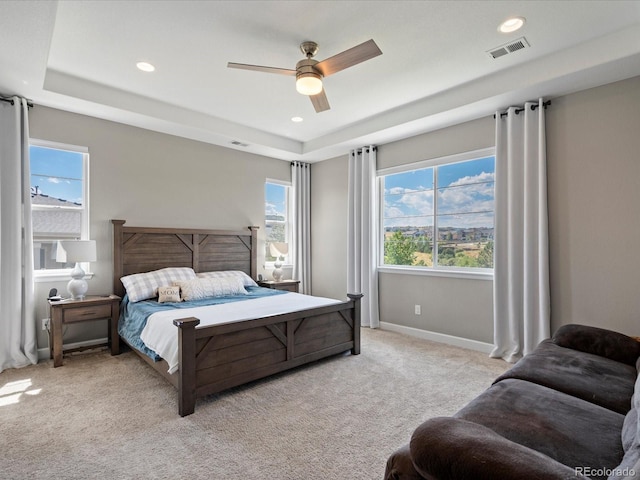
{"x":218,"y":357}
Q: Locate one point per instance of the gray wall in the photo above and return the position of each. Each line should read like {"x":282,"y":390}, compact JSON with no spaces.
{"x":593,"y":145}
{"x":329,"y":185}
{"x":153,"y":179}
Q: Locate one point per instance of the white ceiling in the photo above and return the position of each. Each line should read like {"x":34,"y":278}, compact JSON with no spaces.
{"x":435,"y":70}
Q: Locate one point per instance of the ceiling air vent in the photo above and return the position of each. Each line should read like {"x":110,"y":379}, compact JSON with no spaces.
{"x":510,"y":47}
{"x":239,"y":144}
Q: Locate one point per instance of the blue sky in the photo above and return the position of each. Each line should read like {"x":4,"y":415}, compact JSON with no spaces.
{"x":275,"y":199}
{"x":465,"y":196}
{"x":58,"y":173}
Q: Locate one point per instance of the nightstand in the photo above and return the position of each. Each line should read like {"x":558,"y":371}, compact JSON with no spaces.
{"x":288,"y":285}
{"x":73,"y":311}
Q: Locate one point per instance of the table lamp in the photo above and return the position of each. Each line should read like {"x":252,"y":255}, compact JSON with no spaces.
{"x":76,"y":251}
{"x":278,"y":250}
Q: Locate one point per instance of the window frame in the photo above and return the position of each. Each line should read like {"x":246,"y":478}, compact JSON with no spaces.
{"x":53,"y":274}
{"x":287,"y":221}
{"x":438,"y":270}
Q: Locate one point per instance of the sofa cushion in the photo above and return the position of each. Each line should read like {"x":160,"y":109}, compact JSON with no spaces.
{"x":596,"y":379}
{"x":598,"y":341}
{"x":445,"y":448}
{"x":572,"y":431}
{"x":630,"y":465}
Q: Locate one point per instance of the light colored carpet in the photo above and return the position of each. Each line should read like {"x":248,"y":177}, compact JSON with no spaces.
{"x":103,"y":417}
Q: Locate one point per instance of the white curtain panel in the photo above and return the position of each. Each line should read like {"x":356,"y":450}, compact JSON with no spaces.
{"x":301,"y":216}
{"x":17,"y":318}
{"x":362,"y":251}
{"x":521,"y":262}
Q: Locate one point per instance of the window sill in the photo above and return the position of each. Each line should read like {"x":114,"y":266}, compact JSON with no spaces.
{"x":55,"y":276}
{"x":439,"y":272}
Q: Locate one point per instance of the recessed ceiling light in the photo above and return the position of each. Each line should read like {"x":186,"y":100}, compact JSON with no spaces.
{"x":297,"y":119}
{"x":145,"y":67}
{"x":511,"y":24}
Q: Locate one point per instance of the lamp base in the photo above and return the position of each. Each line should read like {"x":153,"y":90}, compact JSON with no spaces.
{"x":277,"y":271}
{"x":77,"y":286}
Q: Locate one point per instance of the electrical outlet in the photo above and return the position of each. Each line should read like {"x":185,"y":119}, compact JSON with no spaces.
{"x":45,"y":324}
{"x":417,"y":310}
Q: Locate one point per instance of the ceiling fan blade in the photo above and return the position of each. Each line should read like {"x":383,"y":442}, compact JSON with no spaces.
{"x":260,"y":68}
{"x":349,"y":58}
{"x":320,"y":102}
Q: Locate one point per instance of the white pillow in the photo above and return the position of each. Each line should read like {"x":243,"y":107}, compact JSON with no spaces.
{"x":142,"y":286}
{"x":169,"y":294}
{"x":199,"y":288}
{"x":247,"y":281}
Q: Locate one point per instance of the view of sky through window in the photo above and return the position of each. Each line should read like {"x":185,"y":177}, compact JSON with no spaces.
{"x":463,"y":188}
{"x":275,"y":202}
{"x":56,"y":173}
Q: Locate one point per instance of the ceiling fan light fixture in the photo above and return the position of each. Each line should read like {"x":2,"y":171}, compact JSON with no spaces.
{"x":308,"y":83}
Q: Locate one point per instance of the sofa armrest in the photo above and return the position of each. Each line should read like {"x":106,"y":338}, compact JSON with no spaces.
{"x":400,"y":466}
{"x":598,"y":341}
{"x":446,"y":448}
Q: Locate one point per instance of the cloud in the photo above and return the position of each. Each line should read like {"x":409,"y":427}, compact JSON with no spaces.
{"x":272,"y":209}
{"x":410,"y":202}
{"x":481,"y":177}
{"x":57,"y":180}
{"x":473,"y":193}
{"x":391,"y":212}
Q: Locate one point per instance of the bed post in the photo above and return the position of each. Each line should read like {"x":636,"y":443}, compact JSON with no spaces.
{"x":187,"y":362}
{"x":118,"y":260}
{"x":118,"y":288}
{"x":355,"y":297}
{"x":254,"y":252}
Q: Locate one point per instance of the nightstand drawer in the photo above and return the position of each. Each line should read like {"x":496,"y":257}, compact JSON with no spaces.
{"x":78,"y":314}
{"x":293,"y":287}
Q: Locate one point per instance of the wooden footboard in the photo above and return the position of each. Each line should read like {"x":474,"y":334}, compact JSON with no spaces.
{"x":219,"y":357}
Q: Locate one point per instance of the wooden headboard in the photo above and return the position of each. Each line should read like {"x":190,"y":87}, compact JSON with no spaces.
{"x":143,"y":249}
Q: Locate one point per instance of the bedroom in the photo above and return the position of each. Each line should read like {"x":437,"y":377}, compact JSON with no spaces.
{"x":597,"y":291}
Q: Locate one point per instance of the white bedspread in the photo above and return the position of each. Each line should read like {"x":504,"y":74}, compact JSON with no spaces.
{"x":161,"y":335}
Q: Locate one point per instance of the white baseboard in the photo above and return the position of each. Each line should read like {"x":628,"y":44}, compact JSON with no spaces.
{"x":43,"y":353}
{"x":439,"y":337}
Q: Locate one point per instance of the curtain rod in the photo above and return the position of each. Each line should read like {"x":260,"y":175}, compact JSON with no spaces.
{"x":10,"y":100}
{"x":366,"y":149}
{"x":300,"y":164}
{"x":518,"y":110}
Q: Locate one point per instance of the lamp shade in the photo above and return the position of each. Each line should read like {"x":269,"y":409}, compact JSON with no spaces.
{"x":76,"y":251}
{"x":278,"y":249}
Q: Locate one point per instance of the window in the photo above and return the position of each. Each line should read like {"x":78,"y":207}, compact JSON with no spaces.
{"x":58,"y":199}
{"x":276,"y":215}
{"x":439,"y":213}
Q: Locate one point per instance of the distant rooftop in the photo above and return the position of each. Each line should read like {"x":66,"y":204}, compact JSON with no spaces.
{"x":53,"y":223}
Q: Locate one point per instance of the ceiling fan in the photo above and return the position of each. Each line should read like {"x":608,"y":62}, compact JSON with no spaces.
{"x":309,"y":72}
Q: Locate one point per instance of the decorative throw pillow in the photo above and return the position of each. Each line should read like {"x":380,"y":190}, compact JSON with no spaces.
{"x":246,"y":279}
{"x":199,"y":288}
{"x":169,"y":294}
{"x":142,"y":286}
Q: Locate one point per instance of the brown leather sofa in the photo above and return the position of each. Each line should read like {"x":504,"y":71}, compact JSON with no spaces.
{"x":565,"y":411}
